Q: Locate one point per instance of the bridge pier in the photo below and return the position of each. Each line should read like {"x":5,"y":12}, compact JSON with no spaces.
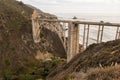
{"x":36,"y":31}
{"x":73,"y":40}
{"x":35,"y":27}
{"x":64,"y":38}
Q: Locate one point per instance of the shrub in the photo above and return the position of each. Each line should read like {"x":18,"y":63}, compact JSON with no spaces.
{"x":26,"y":77}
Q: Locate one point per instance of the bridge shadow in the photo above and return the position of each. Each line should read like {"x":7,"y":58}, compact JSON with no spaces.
{"x":53,"y":38}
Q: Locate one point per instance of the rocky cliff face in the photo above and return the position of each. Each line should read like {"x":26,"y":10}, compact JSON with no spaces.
{"x":18,"y":52}
{"x":96,"y":55}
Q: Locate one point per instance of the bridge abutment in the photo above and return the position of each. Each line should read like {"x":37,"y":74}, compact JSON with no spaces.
{"x":73,"y":40}
{"x":36,"y":31}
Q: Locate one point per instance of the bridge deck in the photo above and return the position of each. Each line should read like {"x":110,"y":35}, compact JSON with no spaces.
{"x":82,"y":22}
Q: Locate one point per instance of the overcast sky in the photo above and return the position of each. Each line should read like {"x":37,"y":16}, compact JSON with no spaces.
{"x":76,"y":6}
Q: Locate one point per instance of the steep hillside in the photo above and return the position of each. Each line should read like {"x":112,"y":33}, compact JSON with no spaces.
{"x":12,"y":27}
{"x":96,"y":55}
{"x":18,"y":52}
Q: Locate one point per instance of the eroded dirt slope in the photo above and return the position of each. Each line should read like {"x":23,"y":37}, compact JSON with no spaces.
{"x":96,"y":55}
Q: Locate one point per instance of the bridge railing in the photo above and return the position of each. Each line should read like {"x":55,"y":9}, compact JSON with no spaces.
{"x":87,"y":24}
{"x":98,"y":33}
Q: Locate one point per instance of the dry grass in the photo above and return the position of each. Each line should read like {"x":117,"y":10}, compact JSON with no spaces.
{"x":107,"y":73}
{"x":104,"y":53}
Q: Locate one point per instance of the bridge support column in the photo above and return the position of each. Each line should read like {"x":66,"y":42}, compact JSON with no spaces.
{"x":64,"y":37}
{"x":73,"y":40}
{"x":36,"y":31}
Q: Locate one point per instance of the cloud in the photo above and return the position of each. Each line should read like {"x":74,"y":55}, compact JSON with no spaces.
{"x":76,"y":6}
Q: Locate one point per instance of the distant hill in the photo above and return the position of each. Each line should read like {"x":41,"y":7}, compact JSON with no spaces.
{"x":42,"y":13}
{"x":95,"y":56}
{"x":32,"y":7}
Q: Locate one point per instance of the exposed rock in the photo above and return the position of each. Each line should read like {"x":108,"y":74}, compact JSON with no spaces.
{"x":43,"y":56}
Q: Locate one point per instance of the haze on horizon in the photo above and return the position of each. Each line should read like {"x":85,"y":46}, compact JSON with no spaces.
{"x":77,"y":6}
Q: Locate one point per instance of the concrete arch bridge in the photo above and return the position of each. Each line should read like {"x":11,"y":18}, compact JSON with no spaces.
{"x":69,"y":32}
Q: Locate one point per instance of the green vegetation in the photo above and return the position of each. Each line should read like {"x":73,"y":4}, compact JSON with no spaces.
{"x":38,"y":70}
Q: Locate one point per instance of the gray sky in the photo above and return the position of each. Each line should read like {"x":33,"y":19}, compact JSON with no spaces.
{"x":77,"y":6}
